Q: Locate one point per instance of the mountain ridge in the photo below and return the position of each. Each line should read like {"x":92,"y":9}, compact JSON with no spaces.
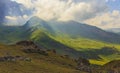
{"x":47,"y":35}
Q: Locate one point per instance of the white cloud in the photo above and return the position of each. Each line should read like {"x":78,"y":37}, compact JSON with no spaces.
{"x":16,"y":20}
{"x":25,"y":17}
{"x":10,"y":17}
{"x":94,"y":12}
{"x":110,"y":0}
{"x":27,"y":3}
{"x":106,"y":20}
{"x":65,"y":9}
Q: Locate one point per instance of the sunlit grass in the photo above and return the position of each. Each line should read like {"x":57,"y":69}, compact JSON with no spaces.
{"x":83,"y":43}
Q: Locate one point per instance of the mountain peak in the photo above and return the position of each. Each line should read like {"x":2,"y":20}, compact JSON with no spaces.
{"x":34,"y":21}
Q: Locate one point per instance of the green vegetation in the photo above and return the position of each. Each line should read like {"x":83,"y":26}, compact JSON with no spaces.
{"x":95,"y":51}
{"x":93,"y":48}
{"x":67,"y":38}
{"x":40,"y":63}
{"x":52,"y":63}
{"x":84,"y":43}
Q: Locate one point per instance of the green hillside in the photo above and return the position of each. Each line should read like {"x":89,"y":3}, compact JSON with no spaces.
{"x":38,"y":62}
{"x":96,"y":51}
{"x":76,"y":30}
{"x":45,"y":40}
{"x":84,"y":43}
{"x":12,"y":34}
{"x":67,"y":38}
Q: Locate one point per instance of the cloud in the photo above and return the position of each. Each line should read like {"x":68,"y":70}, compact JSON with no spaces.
{"x":27,"y":3}
{"x":10,"y":17}
{"x":16,"y":20}
{"x":87,"y":11}
{"x":110,"y":0}
{"x":106,"y":20}
{"x":65,"y":9}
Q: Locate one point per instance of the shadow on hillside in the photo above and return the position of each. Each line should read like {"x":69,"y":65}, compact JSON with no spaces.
{"x":94,"y":54}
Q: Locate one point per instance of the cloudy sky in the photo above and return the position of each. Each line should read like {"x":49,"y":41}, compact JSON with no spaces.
{"x":101,"y":13}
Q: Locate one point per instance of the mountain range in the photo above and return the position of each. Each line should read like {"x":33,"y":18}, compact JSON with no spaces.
{"x":41,"y":46}
{"x":62,"y":36}
{"x":61,"y":44}
{"x":70,"y":28}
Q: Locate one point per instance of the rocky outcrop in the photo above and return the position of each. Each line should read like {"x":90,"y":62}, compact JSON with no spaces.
{"x":27,"y":43}
{"x":31,"y":47}
{"x":40,"y":51}
{"x":14,"y":58}
{"x":83,"y":65}
{"x":113,"y":66}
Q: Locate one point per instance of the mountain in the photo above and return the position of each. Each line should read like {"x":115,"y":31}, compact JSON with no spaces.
{"x":119,"y":33}
{"x":76,"y":29}
{"x":67,"y":38}
{"x":9,"y":34}
{"x":36,"y":23}
{"x":41,"y":46}
{"x":47,"y":34}
{"x":116,"y":30}
{"x":73,"y":29}
{"x":43,"y":39}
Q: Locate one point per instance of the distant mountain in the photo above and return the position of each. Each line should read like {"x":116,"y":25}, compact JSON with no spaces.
{"x":12,"y":34}
{"x":40,"y":31}
{"x":70,"y":28}
{"x":115,"y":30}
{"x":119,"y":33}
{"x":75,"y":29}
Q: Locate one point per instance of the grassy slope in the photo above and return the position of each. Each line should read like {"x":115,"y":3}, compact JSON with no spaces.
{"x":80,"y":44}
{"x":83,"y":44}
{"x":9,"y":34}
{"x":53,"y":63}
{"x":44,"y":39}
{"x":39,"y":64}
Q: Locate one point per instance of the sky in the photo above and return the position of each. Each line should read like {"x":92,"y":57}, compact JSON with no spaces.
{"x":101,"y":13}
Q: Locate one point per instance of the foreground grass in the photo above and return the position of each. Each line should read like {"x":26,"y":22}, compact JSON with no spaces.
{"x":52,"y":63}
